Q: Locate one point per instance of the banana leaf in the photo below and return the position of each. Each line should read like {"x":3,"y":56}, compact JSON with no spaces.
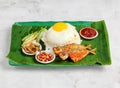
{"x":21,"y":29}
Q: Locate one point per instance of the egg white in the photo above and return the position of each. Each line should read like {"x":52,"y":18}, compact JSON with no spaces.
{"x":52,"y":38}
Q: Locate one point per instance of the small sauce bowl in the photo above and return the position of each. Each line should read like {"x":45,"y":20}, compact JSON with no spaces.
{"x":88,"y":33}
{"x":27,"y":53}
{"x":45,"y":57}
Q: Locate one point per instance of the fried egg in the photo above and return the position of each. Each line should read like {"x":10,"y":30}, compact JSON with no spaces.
{"x":61,"y":34}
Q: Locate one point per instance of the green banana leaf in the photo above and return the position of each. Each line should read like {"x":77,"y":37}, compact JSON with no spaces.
{"x":21,"y":29}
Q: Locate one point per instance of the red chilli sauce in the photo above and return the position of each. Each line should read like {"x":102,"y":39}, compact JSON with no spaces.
{"x":88,"y":32}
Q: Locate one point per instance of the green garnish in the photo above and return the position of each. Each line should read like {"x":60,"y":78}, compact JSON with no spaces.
{"x":33,"y":36}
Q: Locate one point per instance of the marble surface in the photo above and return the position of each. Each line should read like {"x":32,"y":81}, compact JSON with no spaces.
{"x":46,"y":10}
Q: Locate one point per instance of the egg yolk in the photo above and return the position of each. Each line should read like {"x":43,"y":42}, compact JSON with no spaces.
{"x":60,"y":26}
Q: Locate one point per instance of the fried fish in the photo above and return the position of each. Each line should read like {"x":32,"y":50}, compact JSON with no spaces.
{"x":75,"y":51}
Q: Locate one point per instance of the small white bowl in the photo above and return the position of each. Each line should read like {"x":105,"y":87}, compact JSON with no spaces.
{"x":30,"y":53}
{"x":47,"y":61}
{"x":88,"y":37}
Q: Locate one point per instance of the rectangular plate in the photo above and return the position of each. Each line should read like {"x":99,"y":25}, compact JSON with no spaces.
{"x":21,"y":29}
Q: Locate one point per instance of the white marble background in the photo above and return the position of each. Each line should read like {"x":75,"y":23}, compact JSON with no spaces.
{"x":46,"y":10}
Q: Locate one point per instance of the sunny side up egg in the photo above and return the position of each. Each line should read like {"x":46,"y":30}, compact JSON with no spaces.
{"x":61,"y":34}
